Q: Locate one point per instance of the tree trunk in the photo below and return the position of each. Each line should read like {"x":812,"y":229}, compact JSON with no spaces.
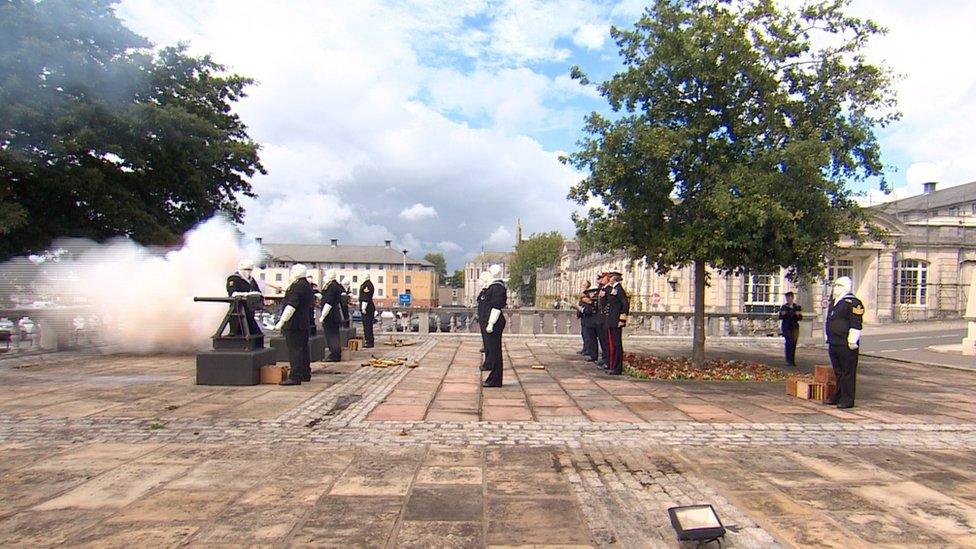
{"x":698,"y":339}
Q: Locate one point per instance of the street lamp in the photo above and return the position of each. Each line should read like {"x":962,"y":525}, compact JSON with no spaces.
{"x":404,"y":271}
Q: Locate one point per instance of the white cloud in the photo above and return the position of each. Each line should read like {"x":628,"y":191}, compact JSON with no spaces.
{"x":591,"y":36}
{"x":500,"y":240}
{"x":418,"y":211}
{"x":448,"y":246}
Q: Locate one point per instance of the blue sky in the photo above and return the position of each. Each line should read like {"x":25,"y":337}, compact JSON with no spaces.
{"x":437,"y":123}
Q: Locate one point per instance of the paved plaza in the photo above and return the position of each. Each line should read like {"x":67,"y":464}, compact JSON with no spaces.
{"x":125,"y":451}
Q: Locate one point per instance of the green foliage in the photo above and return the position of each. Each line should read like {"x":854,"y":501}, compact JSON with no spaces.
{"x":539,"y":250}
{"x":101,"y":136}
{"x":735,"y":137}
{"x":440,"y":264}
{"x":456,"y":280}
{"x":738,"y":126}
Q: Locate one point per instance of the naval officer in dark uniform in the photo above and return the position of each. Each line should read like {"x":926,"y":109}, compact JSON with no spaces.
{"x":790,"y":316}
{"x":588,"y":318}
{"x":482,"y":312}
{"x":294,"y":325}
{"x":331,"y":316}
{"x":616,"y":309}
{"x":241,"y":283}
{"x":495,"y":298}
{"x":600,"y":320}
{"x":368,"y":309}
{"x":842,"y":330}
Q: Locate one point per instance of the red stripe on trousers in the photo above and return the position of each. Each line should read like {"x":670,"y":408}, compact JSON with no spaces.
{"x":612,"y":359}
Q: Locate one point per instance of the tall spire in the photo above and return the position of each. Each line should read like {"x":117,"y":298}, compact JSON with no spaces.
{"x":518,"y":230}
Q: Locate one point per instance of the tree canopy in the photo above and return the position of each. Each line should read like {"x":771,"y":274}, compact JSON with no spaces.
{"x":102,"y":136}
{"x":440,"y":264}
{"x":539,"y":250}
{"x":737,"y":129}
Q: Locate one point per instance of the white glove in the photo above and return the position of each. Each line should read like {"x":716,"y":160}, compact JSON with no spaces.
{"x":325,"y":312}
{"x":492,"y":319}
{"x":853,"y":338}
{"x":285,"y":316}
{"x":362,"y":306}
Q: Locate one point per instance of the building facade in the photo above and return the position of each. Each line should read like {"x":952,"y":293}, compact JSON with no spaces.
{"x":921,"y":271}
{"x":391,"y":271}
{"x":480,"y":263}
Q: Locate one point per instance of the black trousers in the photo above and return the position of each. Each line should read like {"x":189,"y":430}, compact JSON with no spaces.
{"x":368,"y":318}
{"x":601,"y":334}
{"x":493,"y":352}
{"x":615,"y":356}
{"x":844,"y":361}
{"x":791,"y":335}
{"x":298,"y":359}
{"x":332,"y":340}
{"x":591,"y":338}
{"x":484,"y":346}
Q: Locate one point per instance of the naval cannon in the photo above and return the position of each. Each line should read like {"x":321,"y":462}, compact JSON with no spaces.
{"x":237,"y":356}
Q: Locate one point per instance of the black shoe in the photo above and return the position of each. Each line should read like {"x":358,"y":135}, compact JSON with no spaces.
{"x":831,"y":402}
{"x":307,"y":378}
{"x":481,"y":350}
{"x":290,"y":381}
{"x":486,"y":384}
{"x":612,"y":373}
{"x":845,"y":405}
{"x":590,"y":359}
{"x":367,"y":346}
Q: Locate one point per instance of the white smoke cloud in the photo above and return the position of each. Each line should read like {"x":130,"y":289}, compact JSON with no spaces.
{"x":143,"y":299}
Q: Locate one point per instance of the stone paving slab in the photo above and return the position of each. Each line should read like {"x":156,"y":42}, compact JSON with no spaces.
{"x":126,"y":451}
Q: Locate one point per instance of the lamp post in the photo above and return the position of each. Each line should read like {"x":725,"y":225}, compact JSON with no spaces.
{"x":404,"y":271}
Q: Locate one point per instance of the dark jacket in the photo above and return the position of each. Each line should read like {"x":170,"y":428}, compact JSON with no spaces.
{"x":846,"y":314}
{"x":366,"y":291}
{"x":495,"y":296}
{"x":237,"y":283}
{"x":332,"y":295}
{"x":616,"y":306}
{"x":300,"y":296}
{"x":790,"y":316}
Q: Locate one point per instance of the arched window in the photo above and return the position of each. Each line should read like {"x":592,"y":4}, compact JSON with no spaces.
{"x":910,"y":282}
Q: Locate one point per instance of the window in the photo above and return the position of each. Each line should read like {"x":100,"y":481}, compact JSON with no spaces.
{"x":342,"y":266}
{"x":379,"y":293}
{"x":973,"y":206}
{"x":761,"y":293}
{"x":369,"y":267}
{"x":379,"y":279}
{"x":396,"y":278}
{"x":407,"y":291}
{"x":839,"y":268}
{"x":409,"y":267}
{"x":355,"y":278}
{"x":262,"y":276}
{"x":278,"y":277}
{"x":910,"y":282}
{"x":408,"y":279}
{"x":394,"y":292}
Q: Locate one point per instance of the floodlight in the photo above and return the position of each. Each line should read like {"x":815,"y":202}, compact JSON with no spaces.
{"x":697,"y":523}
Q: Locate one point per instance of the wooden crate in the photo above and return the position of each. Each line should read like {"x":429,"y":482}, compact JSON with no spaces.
{"x":824,"y":374}
{"x":804,"y":389}
{"x":354,"y":344}
{"x":274,"y":373}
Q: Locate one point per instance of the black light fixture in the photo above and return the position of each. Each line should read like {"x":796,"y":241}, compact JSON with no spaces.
{"x":698,"y":523}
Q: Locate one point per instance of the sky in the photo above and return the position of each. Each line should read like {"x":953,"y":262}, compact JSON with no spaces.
{"x":438,"y":123}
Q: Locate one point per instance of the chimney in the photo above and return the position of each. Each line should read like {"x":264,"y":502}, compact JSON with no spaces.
{"x":929,"y":188}
{"x":335,"y":242}
{"x":389,"y":243}
{"x":258,"y":240}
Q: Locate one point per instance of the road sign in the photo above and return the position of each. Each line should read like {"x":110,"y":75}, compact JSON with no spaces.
{"x":404,"y":300}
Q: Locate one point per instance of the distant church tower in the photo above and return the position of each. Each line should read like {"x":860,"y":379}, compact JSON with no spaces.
{"x":518,"y":230}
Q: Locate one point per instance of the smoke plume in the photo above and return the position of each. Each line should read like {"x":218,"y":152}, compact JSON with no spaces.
{"x":143,"y":298}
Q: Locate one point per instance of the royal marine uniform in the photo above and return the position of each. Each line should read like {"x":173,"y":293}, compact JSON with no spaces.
{"x":300,"y":297}
{"x":588,"y":320}
{"x":366,"y":291}
{"x":332,"y":295}
{"x":790,"y":315}
{"x":600,"y":321}
{"x":616,"y":307}
{"x":312,"y":329}
{"x":494,"y":297}
{"x":845,"y":315}
{"x":237,"y":283}
{"x":483,"y":310}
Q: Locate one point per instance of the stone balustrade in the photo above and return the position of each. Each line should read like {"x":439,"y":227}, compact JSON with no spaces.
{"x":531,"y":321}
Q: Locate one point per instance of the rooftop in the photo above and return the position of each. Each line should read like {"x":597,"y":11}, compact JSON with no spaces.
{"x":328,"y":253}
{"x":933,"y":200}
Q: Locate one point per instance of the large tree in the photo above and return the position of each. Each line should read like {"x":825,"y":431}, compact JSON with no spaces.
{"x":737,"y":129}
{"x":539,"y":250}
{"x":102,"y":136}
{"x":440,"y":264}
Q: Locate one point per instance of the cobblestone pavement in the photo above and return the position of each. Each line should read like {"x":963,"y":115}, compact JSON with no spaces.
{"x":125,"y":450}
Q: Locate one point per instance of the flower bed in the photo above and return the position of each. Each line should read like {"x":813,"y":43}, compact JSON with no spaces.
{"x":681,"y":368}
